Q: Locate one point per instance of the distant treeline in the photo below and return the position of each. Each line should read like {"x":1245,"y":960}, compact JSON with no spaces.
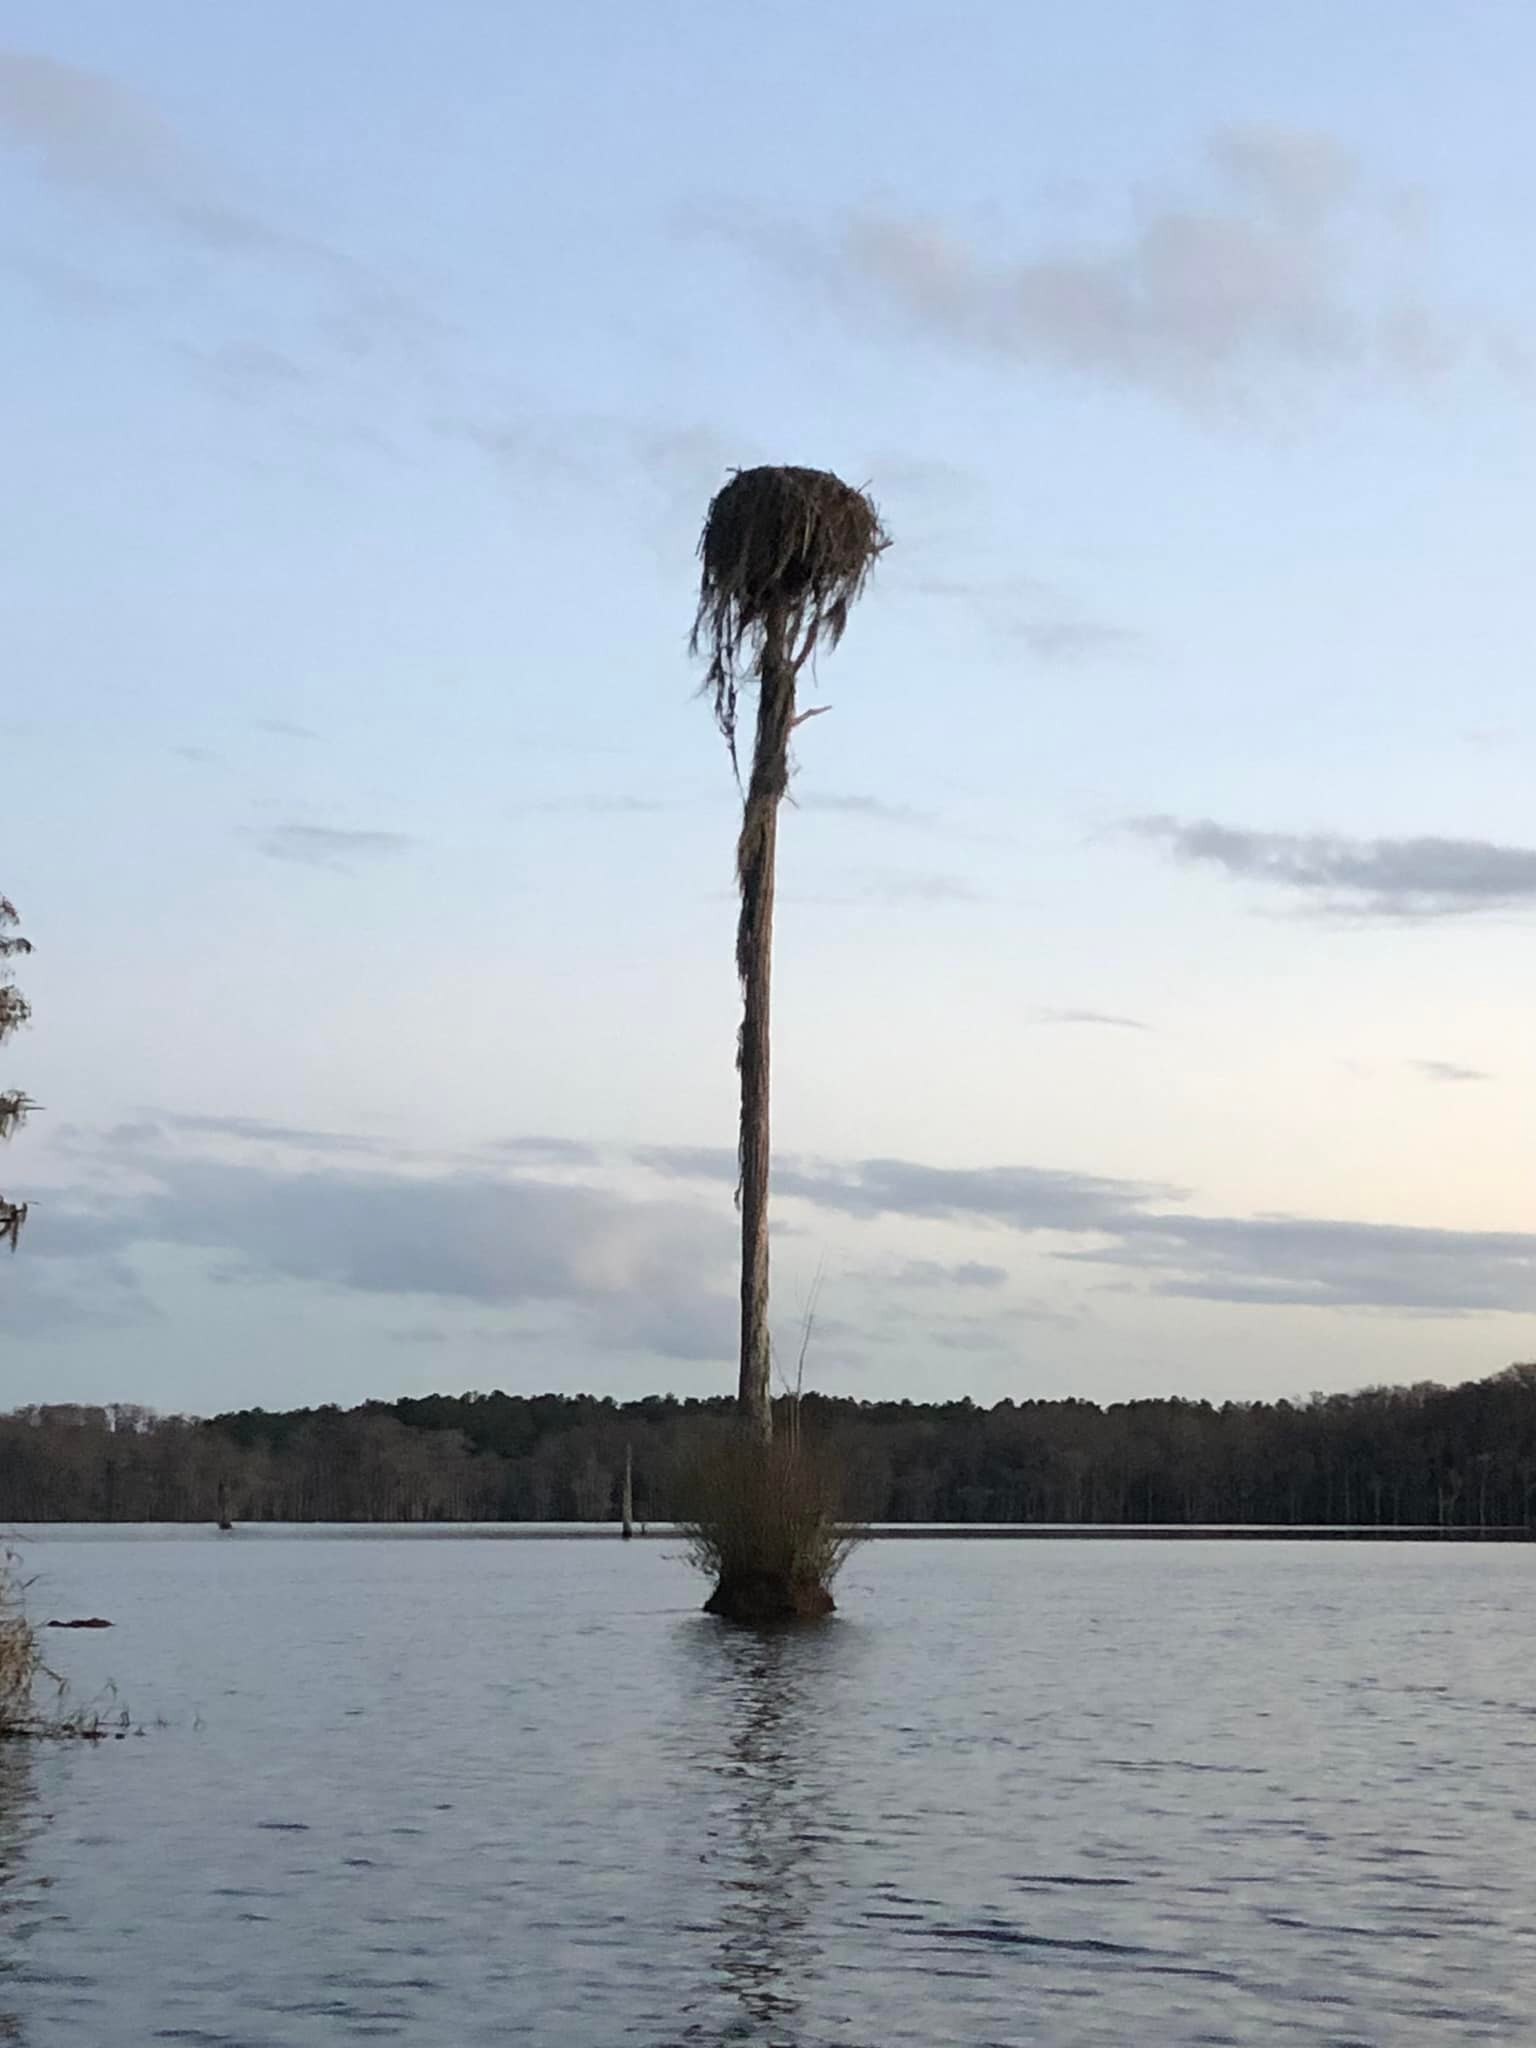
{"x":1460,"y":1457}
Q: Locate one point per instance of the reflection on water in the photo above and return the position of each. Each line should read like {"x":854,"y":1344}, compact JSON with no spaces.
{"x":774,"y":1820}
{"x":480,"y":1795}
{"x":22,"y":1889}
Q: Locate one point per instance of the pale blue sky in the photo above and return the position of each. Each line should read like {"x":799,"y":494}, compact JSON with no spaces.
{"x":1156,"y":969}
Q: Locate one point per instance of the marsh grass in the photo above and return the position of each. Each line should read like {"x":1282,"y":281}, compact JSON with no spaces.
{"x":33,"y":1699}
{"x":768,"y":1523}
{"x":20,"y":1659}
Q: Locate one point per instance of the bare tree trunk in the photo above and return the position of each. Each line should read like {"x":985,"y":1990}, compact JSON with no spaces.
{"x":756,"y":853}
{"x":627,"y":1503}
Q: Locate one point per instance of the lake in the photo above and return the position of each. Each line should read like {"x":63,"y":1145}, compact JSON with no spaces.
{"x":1073,"y":1795}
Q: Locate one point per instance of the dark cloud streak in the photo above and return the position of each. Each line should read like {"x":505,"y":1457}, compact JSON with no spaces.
{"x":1381,"y":878}
{"x":1104,"y":1017}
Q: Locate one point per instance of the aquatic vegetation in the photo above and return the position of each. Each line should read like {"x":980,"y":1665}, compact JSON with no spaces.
{"x":767,"y":1523}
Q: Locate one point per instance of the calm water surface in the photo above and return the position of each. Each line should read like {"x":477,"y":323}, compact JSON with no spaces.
{"x":1077,"y":1795}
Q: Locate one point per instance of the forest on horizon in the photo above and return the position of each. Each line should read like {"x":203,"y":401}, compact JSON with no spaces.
{"x":1455,"y":1457}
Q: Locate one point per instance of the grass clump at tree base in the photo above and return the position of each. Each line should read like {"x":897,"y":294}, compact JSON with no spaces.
{"x":766,"y":1522}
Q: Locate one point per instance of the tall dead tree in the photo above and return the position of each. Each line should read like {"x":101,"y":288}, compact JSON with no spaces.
{"x":14,"y":1012}
{"x":784,"y":555}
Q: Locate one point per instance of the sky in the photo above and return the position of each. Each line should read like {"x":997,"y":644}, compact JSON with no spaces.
{"x":1155,"y":962}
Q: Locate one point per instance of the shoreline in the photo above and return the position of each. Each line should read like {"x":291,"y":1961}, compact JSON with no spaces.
{"x":883,"y":1532}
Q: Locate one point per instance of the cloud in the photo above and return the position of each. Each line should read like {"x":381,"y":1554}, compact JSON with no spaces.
{"x":1283,"y":269}
{"x":923,"y":477}
{"x":623,"y":805}
{"x":688,"y":1162}
{"x":285,"y":728}
{"x":65,"y":285}
{"x":1026,"y":610}
{"x":90,"y":135}
{"x":58,"y":1285}
{"x":1447,"y":1070}
{"x":247,"y":370}
{"x":256,"y":1130}
{"x":1030,"y":1198}
{"x":330,"y":846}
{"x":454,"y":1330}
{"x":1018,"y":1197}
{"x":655,"y":1272}
{"x":1270,"y":1261}
{"x":923,"y":888}
{"x":1105,"y":1017}
{"x":1274,"y":1261}
{"x":1309,"y":1262}
{"x":1294,"y":174}
{"x":1409,"y":878}
{"x":81,"y":127}
{"x":637,"y":1275}
{"x":1065,"y":641}
{"x":875,"y":808}
{"x":679,"y":467}
{"x":535,"y":1151}
{"x":969,"y":1273}
{"x":686,"y":464}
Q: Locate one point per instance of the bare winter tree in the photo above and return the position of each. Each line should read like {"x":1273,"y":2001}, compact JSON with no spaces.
{"x":14,"y":1012}
{"x":784,"y":553}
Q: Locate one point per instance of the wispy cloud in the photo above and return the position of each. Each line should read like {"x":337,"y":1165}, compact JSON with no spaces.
{"x":1282,"y":266}
{"x":82,"y":128}
{"x":1031,"y":1198}
{"x":330,"y":846}
{"x":248,"y":371}
{"x":253,"y":1129}
{"x":1447,"y":1070}
{"x":285,"y":728}
{"x":968,"y":1273}
{"x":874,"y":808}
{"x":922,"y":888}
{"x":87,"y":134}
{"x":623,"y":805}
{"x":688,"y":1162}
{"x":679,"y":466}
{"x":1066,"y":641}
{"x":1390,"y":878}
{"x":540,"y":1151}
{"x":1032,"y":612}
{"x":1105,"y":1017}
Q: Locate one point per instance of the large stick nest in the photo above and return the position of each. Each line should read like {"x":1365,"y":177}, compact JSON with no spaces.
{"x":785,"y":553}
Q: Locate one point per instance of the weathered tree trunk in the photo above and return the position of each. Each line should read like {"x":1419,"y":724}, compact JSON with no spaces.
{"x":756,"y":853}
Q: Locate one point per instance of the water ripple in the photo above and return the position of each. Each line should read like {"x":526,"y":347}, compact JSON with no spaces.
{"x":484,"y":1794}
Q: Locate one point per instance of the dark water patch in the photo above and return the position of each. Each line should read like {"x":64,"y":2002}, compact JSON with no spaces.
{"x":1013,"y":1937}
